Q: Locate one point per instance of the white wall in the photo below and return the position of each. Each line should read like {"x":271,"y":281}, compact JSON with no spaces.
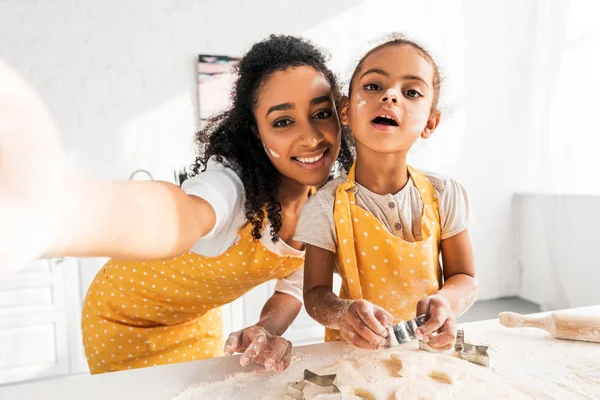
{"x":120,"y":79}
{"x":120,"y":76}
{"x":558,"y":263}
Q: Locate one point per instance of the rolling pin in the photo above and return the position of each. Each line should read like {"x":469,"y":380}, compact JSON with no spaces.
{"x":560,"y":324}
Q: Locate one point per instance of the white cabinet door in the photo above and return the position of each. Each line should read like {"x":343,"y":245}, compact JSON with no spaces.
{"x":34,"y":340}
{"x":73,"y":303}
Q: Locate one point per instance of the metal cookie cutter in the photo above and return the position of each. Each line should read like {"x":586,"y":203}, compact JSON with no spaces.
{"x":460,"y":340}
{"x":405,"y":331}
{"x":295,"y":390}
{"x":475,"y":354}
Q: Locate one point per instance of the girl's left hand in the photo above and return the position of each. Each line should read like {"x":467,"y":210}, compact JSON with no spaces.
{"x":440,"y":329}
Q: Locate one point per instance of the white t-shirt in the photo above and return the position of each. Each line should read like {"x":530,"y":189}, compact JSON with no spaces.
{"x":222,"y":188}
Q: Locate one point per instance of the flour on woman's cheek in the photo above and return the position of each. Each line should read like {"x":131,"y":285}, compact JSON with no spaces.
{"x":271,"y":152}
{"x":320,"y":81}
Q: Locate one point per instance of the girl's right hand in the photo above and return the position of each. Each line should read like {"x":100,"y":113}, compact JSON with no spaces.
{"x":363,"y":324}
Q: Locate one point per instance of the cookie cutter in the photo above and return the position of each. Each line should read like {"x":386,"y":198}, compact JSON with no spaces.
{"x":476,"y":354}
{"x":460,"y":340}
{"x":295,"y":390}
{"x":405,"y":331}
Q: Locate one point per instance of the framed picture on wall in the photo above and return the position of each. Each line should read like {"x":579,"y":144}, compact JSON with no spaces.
{"x":215,"y":81}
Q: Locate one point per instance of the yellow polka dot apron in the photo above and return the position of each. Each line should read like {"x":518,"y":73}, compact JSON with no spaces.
{"x":141,"y":314}
{"x":379,"y":267}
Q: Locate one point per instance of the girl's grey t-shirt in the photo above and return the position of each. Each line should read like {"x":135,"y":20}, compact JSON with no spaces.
{"x":400,"y":213}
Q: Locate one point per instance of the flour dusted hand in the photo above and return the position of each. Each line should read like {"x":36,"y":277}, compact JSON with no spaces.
{"x":440,"y":329}
{"x":259,"y":346}
{"x":363,"y":324}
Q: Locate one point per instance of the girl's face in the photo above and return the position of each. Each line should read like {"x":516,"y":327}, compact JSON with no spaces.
{"x":298,"y":124}
{"x":391,"y":100}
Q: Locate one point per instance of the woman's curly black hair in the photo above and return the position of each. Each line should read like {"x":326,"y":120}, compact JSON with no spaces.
{"x":231,"y":136}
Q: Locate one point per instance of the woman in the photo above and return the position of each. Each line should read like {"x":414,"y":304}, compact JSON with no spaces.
{"x":180,"y":253}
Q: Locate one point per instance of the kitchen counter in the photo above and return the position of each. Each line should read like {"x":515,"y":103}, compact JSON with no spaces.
{"x":529,"y":358}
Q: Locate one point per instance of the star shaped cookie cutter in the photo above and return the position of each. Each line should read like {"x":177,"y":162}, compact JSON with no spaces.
{"x":295,"y":390}
{"x":476,"y":354}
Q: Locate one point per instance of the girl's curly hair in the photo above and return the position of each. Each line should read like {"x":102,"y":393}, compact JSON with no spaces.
{"x":231,"y":136}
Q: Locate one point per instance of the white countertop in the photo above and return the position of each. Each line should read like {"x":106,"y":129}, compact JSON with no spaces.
{"x":528,"y":357}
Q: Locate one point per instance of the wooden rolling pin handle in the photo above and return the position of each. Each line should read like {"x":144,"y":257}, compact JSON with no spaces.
{"x":514,"y":320}
{"x":561,"y":325}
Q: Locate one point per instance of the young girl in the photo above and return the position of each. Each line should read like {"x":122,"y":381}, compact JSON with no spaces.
{"x":181,"y":253}
{"x":383,"y":226}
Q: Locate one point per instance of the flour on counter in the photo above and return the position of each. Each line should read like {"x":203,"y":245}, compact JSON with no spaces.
{"x":374,"y":374}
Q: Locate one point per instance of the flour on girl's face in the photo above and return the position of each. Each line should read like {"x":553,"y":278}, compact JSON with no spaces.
{"x":360,"y":100}
{"x":417,"y":122}
{"x":391,"y":92}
